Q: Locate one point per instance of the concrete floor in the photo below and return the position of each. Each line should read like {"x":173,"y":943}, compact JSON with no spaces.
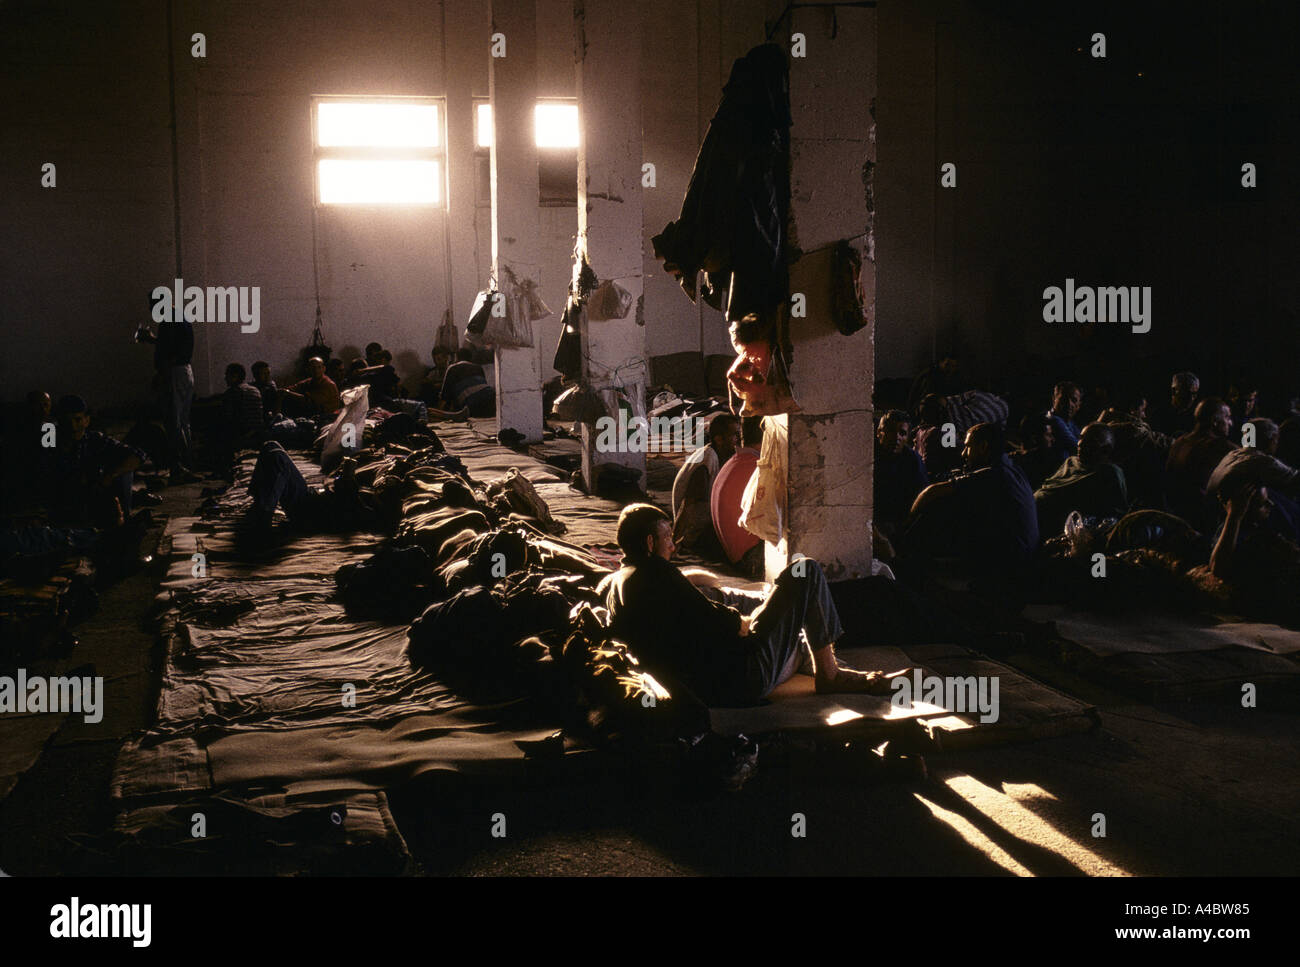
{"x":1188,"y":789}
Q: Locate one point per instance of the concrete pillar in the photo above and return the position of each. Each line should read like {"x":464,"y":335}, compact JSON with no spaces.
{"x":468,"y":26}
{"x":832,"y":150}
{"x":512,"y":87}
{"x":608,"y":53}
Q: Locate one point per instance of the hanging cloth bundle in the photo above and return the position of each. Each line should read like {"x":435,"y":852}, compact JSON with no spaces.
{"x":317,"y":346}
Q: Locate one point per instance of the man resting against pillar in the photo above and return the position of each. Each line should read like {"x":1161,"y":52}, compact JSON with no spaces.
{"x":693,"y":487}
{"x":723,"y":657}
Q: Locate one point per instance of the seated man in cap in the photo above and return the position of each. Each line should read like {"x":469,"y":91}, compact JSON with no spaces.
{"x":86,"y":478}
{"x":723,"y":657}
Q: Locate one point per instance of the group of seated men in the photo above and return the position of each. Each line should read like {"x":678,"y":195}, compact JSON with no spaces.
{"x":996,"y":506}
{"x":946,"y":490}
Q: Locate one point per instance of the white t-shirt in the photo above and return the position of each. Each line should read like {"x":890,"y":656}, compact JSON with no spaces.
{"x":706,"y":456}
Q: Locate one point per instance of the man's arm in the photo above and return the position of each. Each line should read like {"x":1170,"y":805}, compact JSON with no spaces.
{"x":1226,"y":545}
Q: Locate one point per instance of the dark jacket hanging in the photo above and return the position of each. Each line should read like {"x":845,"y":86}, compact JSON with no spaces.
{"x":733,"y":220}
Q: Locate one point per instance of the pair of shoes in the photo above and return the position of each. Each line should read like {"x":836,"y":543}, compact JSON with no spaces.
{"x":143,"y":498}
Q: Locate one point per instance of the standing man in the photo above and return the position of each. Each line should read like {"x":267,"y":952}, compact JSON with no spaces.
{"x":174,"y":380}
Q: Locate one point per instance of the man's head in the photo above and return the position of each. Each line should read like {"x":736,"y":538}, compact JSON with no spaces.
{"x":261,"y":372}
{"x":1183,"y":388}
{"x":1096,"y":445}
{"x":1267,"y":434}
{"x":39,"y":404}
{"x":949,"y":364}
{"x":934,"y":409}
{"x":235,"y":374}
{"x":1066,"y":399}
{"x":1213,"y":416}
{"x":73,"y":415}
{"x":336,"y":369}
{"x":892,"y":432}
{"x":373,"y":349}
{"x":724,"y":435}
{"x":316,"y":367}
{"x":441,"y":357}
{"x":1037,"y":432}
{"x":645,"y":532}
{"x":1136,"y":406}
{"x":983,"y":446}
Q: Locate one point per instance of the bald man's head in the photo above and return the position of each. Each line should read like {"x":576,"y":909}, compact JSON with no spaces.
{"x":1096,"y":445}
{"x":1213,"y":415}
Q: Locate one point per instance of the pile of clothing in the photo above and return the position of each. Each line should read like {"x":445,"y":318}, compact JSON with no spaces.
{"x":500,"y":607}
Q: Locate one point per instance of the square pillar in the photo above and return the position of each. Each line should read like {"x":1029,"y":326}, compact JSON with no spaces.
{"x":610,"y":232}
{"x":832,"y":154}
{"x":516,"y":245}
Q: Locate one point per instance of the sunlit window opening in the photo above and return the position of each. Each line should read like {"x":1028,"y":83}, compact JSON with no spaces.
{"x":379,"y":152}
{"x":483,"y":124}
{"x":556,"y":125}
{"x":379,"y":182}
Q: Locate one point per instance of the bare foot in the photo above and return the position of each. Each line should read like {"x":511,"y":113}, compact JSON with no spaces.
{"x":848,"y":680}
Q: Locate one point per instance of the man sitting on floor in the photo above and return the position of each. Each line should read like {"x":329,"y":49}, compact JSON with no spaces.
{"x":242,"y":417}
{"x":465,"y":387}
{"x":1192,"y":460}
{"x":899,"y":472}
{"x":1089,"y":483}
{"x":724,"y":658}
{"x":1067,"y":399}
{"x":1037,"y":458}
{"x":266,"y":388}
{"x":693,"y":486}
{"x":86,"y":478}
{"x":317,"y":394}
{"x":986,"y":517}
{"x":1258,"y":563}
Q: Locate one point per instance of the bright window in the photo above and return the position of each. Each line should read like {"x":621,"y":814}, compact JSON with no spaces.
{"x":372,"y":151}
{"x":555,"y":124}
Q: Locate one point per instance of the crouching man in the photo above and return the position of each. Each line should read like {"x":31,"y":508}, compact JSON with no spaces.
{"x":725,"y":658}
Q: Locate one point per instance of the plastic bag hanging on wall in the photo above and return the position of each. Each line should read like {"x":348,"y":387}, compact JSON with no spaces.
{"x":609,"y":301}
{"x":759,"y":380}
{"x":478,"y":317}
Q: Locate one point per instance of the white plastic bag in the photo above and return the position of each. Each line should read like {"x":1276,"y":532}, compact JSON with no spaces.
{"x":346,"y":432}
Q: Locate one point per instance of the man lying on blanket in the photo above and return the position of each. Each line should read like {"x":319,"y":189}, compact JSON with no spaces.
{"x":725,"y":658}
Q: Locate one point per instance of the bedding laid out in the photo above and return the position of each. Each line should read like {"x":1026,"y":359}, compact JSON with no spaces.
{"x":1162,"y":655}
{"x":311,"y":675}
